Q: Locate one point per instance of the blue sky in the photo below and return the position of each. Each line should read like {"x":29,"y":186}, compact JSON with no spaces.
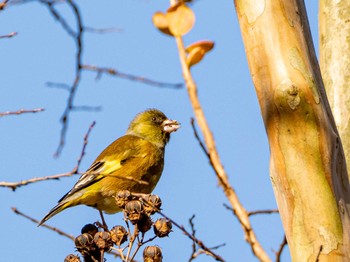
{"x":42,"y":52}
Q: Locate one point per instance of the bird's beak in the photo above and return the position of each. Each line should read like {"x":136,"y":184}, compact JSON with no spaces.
{"x":170,"y":126}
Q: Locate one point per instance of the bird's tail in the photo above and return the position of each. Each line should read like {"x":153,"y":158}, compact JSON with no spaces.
{"x":58,"y":208}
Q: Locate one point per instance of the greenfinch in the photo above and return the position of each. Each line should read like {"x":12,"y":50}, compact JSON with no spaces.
{"x":138,"y":155}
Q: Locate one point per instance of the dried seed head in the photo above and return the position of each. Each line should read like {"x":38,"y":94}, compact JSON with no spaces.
{"x":91,"y":229}
{"x":103,"y":240}
{"x":162,"y":227}
{"x":134,"y":211}
{"x":152,"y":254}
{"x":84,"y":243}
{"x":118,"y":235}
{"x":145,"y":224}
{"x":123,"y":197}
{"x":152,"y":204}
{"x":72,"y":258}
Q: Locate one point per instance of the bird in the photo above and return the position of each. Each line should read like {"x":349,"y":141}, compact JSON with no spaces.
{"x":138,"y":155}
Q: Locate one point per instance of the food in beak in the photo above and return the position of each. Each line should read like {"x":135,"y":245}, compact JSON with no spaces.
{"x":170,"y":125}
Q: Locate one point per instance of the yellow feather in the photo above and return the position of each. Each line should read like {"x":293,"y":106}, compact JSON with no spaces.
{"x":134,"y":158}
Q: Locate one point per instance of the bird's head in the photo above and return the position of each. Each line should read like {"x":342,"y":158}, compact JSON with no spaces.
{"x":153,"y":126}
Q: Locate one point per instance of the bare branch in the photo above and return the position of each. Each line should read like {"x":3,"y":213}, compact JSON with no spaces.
{"x":207,"y":250}
{"x":15,"y":185}
{"x":279,"y":251}
{"x":319,"y":254}
{"x":113,"y":72}
{"x":267,"y":211}
{"x":58,"y":85}
{"x":59,"y":18}
{"x":3,"y":4}
{"x":196,"y":135}
{"x":195,"y":252}
{"x":214,"y":157}
{"x":22,"y":111}
{"x":79,"y":46}
{"x":194,"y":247}
{"x":77,"y":37}
{"x":241,"y":214}
{"x":256,"y":212}
{"x":87,"y":108}
{"x":82,"y":154}
{"x":8,"y":35}
{"x":60,"y":232}
{"x":103,"y":30}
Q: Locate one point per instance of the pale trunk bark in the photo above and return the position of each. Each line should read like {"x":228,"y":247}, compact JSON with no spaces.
{"x":307,"y":165}
{"x":334,"y":18}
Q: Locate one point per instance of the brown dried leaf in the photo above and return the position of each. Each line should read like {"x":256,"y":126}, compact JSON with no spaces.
{"x":204,"y":44}
{"x":160,"y":21}
{"x":180,"y":19}
{"x":197,"y":51}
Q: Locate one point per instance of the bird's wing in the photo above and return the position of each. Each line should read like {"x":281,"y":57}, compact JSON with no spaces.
{"x":123,"y":150}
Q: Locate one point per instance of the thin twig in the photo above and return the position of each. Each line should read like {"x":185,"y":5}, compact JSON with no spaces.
{"x":8,"y":35}
{"x":77,"y":37}
{"x":194,"y":247}
{"x":3,"y":4}
{"x":259,"y":212}
{"x":196,"y":135}
{"x":280,"y":249}
{"x":102,"y":30}
{"x":242,"y":215}
{"x":21,"y":111}
{"x":15,"y":185}
{"x":194,"y":239}
{"x":131,"y":242}
{"x":214,"y":157}
{"x":14,"y":209}
{"x":60,"y":232}
{"x":87,"y":108}
{"x":59,"y":18}
{"x":82,"y":154}
{"x":58,"y":85}
{"x":196,"y":253}
{"x":113,"y":72}
{"x":319,"y":254}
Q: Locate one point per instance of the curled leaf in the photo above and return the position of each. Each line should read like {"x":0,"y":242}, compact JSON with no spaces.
{"x":180,"y":19}
{"x":203,"y":44}
{"x":197,"y":51}
{"x":160,"y":21}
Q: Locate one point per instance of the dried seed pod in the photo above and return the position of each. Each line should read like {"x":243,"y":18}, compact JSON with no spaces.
{"x":84,"y":243}
{"x":123,"y":197}
{"x":134,"y":211}
{"x":152,"y":254}
{"x":86,"y":246}
{"x":145,"y":224}
{"x":103,"y":240}
{"x":72,"y":258}
{"x":162,"y":227}
{"x":118,"y":235}
{"x":91,"y":229}
{"x":152,"y":204}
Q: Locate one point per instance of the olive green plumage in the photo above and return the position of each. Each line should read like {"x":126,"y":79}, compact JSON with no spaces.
{"x":138,"y":155}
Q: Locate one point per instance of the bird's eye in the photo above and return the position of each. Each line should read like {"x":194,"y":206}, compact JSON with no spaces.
{"x":154,"y":119}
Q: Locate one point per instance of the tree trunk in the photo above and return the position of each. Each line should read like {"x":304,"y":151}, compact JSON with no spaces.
{"x":307,"y":164}
{"x":334,"y":17}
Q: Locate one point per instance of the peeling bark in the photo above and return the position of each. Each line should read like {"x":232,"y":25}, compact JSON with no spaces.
{"x":307,"y":164}
{"x":334,"y":23}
